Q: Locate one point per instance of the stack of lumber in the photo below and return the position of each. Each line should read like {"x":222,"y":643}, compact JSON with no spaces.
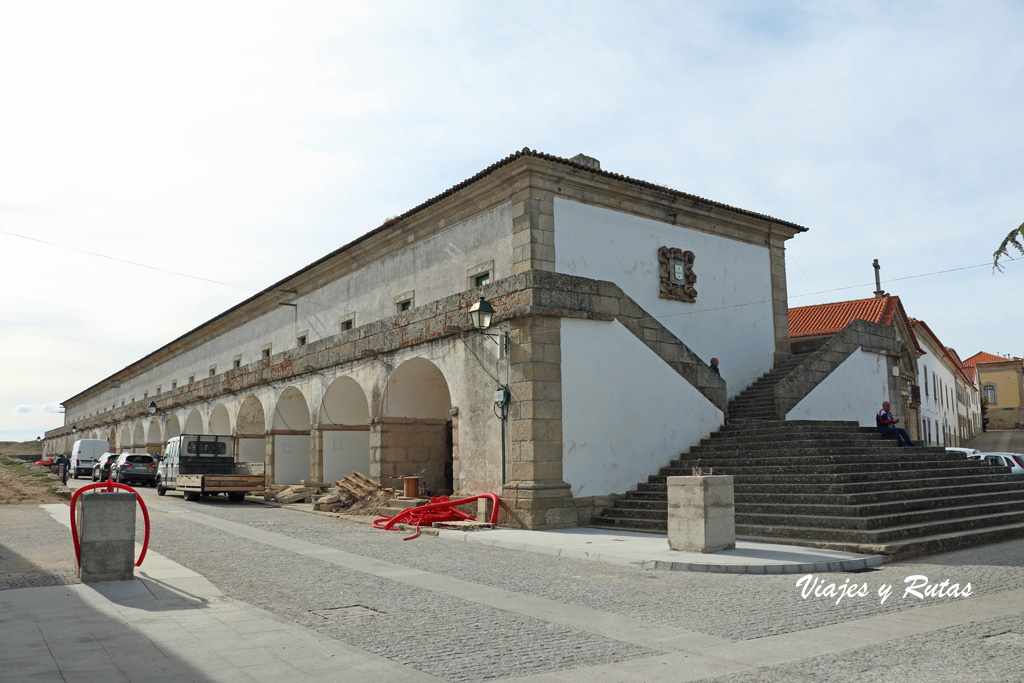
{"x":345,"y":492}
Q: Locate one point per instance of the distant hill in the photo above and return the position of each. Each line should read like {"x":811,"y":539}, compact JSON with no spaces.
{"x":21,"y":448}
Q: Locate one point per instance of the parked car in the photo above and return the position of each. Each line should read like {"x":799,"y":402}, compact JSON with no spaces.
{"x":137,"y":467}
{"x":101,"y":470}
{"x":1015,"y":461}
{"x":962,"y":450}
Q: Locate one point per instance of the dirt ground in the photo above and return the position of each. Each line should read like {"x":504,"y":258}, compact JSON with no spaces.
{"x":23,"y":483}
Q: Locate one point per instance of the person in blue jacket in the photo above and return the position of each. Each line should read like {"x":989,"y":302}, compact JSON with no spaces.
{"x":885,"y":423}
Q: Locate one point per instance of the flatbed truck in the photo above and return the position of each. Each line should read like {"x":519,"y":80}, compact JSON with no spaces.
{"x":204,"y":465}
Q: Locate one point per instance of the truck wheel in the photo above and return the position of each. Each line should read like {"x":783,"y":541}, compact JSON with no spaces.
{"x":160,"y":490}
{"x":236,"y":496}
{"x":191,"y":495}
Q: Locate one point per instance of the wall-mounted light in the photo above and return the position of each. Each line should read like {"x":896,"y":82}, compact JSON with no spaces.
{"x":481,"y":313}
{"x":152,"y":407}
{"x":74,"y":429}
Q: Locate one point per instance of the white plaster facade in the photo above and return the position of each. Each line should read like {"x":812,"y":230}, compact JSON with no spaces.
{"x":855,"y":390}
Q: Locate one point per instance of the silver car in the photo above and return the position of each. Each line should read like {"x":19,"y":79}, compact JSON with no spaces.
{"x":1015,"y":461}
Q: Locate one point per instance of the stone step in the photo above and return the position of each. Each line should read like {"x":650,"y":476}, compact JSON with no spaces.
{"x":825,"y":466}
{"x":821,"y":454}
{"x":877,"y":506}
{"x":862,"y":519}
{"x":902,"y":532}
{"x":907,"y":495}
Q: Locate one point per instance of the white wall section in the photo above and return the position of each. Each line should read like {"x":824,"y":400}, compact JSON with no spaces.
{"x":732,"y":317}
{"x":854,"y":391}
{"x":625,"y":413}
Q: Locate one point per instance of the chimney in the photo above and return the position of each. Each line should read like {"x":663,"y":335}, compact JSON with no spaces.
{"x":589,"y":162}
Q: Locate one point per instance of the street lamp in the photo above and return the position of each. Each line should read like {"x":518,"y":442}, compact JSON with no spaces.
{"x":481,"y":313}
{"x":74,"y":429}
{"x":152,"y":407}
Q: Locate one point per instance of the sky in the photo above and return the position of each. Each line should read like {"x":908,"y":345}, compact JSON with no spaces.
{"x":161,"y":162}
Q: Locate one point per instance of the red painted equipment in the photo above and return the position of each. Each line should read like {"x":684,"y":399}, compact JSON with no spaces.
{"x":437,"y":510}
{"x":109,"y":486}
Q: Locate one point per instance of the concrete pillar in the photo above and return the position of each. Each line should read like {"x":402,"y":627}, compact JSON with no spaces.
{"x":316,"y":453}
{"x":106,"y":524}
{"x":269,"y":464}
{"x":701,"y":514}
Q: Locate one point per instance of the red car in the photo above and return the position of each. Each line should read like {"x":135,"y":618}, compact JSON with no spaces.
{"x":47,"y":462}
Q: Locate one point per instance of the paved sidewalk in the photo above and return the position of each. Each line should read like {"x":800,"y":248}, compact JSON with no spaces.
{"x":651,"y":551}
{"x":169,"y":624}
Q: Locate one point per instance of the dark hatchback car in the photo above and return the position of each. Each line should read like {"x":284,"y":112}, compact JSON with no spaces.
{"x":134,"y":467}
{"x":101,"y":470}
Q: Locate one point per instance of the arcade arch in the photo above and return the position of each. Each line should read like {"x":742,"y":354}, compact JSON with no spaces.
{"x":416,"y":437}
{"x":291,"y":438}
{"x":139,"y":439}
{"x":220,"y":423}
{"x":194,"y":423}
{"x":251,"y":430}
{"x":345,"y":429}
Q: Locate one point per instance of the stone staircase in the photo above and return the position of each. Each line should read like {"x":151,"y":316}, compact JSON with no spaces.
{"x":835,"y":485}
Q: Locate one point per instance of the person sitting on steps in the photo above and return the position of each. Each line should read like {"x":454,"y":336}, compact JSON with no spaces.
{"x":885,"y":423}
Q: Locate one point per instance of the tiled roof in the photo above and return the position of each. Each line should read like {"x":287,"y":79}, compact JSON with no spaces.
{"x":984,"y":357}
{"x":827,"y":319}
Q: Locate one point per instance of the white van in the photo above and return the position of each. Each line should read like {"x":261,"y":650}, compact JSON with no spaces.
{"x":84,"y":454}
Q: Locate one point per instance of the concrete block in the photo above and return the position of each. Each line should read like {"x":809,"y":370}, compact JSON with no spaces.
{"x":107,"y":528}
{"x":701,"y":514}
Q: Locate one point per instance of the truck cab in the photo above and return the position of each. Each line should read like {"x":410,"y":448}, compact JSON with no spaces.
{"x":200,"y":464}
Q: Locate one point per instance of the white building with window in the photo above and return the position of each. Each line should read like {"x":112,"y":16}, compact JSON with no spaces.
{"x":950,"y":411}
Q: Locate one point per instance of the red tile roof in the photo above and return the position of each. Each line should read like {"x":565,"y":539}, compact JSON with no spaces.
{"x":984,"y":357}
{"x":822,"y":319}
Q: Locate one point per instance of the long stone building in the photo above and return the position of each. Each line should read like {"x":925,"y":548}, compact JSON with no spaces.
{"x":610,"y":295}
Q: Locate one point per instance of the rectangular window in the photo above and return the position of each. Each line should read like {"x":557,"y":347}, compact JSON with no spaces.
{"x":174,"y":384}
{"x":266,"y":353}
{"x":346,"y":325}
{"x":347,"y":322}
{"x":213,"y":370}
{"x":405,"y":301}
{"x":482,"y":279}
{"x":158,"y":389}
{"x":236,"y":363}
{"x":480,"y":275}
{"x":191,"y":378}
{"x":301,"y":338}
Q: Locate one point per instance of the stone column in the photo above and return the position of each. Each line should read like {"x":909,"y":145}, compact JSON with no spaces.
{"x":316,"y":453}
{"x":269,"y":464}
{"x":535,"y":494}
{"x":377,"y":428}
{"x":780,"y":303}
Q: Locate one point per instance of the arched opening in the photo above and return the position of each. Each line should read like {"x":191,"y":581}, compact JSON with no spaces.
{"x":252,"y":430}
{"x":172,"y":428}
{"x":112,"y":441}
{"x":154,"y":439}
{"x":416,"y":437}
{"x":194,"y":423}
{"x":291,"y":438}
{"x":139,"y":439}
{"x":124,"y":441}
{"x":345,"y":425}
{"x":220,"y":423}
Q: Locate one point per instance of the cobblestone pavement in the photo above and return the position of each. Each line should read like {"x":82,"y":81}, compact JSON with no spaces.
{"x":464,"y":612}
